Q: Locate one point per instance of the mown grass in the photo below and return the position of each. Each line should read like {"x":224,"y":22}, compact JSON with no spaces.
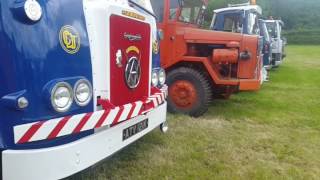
{"x":270,"y":134}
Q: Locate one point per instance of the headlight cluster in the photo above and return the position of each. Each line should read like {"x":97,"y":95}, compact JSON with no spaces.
{"x":158,"y":77}
{"x":62,"y":95}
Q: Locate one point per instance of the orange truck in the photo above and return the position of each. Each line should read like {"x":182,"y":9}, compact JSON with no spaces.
{"x":203,"y":64}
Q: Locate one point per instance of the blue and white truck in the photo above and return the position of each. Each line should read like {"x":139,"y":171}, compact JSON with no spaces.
{"x":78,"y":83}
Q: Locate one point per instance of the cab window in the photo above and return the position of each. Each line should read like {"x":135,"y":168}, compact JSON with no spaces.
{"x":253,"y":24}
{"x":174,"y":7}
{"x":158,"y":8}
{"x":233,"y":23}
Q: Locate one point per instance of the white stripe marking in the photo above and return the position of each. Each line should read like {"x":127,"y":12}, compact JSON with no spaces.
{"x":20,"y":131}
{"x":137,"y":109}
{"x":71,"y":125}
{"x":45,"y":130}
{"x":112,"y":115}
{"x":125,"y":112}
{"x":154,"y":100}
{"x":93,"y":121}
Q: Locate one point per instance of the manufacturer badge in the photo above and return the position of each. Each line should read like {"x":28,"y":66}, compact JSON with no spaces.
{"x":131,"y":37}
{"x":133,"y":73}
{"x":69,"y":39}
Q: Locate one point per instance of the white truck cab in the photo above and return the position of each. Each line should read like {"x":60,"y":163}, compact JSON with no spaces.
{"x":278,"y":42}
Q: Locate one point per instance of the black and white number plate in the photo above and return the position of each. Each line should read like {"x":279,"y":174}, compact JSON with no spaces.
{"x":135,"y":129}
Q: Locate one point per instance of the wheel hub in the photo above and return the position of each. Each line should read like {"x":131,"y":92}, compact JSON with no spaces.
{"x":183,"y":94}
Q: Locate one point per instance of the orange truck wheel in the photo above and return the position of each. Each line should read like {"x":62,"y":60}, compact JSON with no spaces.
{"x":189,"y":92}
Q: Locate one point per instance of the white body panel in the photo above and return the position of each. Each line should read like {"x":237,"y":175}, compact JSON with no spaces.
{"x":277,"y":42}
{"x":245,"y":8}
{"x":63,"y":161}
{"x":97,"y":14}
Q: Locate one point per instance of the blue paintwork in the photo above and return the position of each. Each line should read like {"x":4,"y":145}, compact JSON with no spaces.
{"x":32,"y":58}
{"x":156,"y":60}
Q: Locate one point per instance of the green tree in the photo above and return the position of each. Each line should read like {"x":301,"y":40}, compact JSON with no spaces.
{"x":297,"y":14}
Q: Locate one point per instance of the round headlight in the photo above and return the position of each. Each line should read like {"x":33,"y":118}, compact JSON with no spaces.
{"x":154,"y":78}
{"x":61,"y":97}
{"x":83,"y":92}
{"x":162,"y":76}
{"x":33,"y":10}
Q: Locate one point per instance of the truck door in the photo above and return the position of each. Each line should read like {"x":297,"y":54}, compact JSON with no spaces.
{"x":254,"y":63}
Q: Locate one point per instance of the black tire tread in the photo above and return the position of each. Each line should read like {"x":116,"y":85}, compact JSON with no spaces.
{"x":205,"y":84}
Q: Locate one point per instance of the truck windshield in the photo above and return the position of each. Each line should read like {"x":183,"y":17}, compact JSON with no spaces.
{"x":192,"y":11}
{"x":143,"y":5}
{"x":253,"y":24}
{"x":264,"y":32}
{"x":272,"y":28}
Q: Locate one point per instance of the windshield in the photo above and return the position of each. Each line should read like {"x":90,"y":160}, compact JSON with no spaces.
{"x":253,"y":27}
{"x":192,"y":11}
{"x":232,"y":22}
{"x":144,"y":5}
{"x":272,"y":29}
{"x":265,"y":32}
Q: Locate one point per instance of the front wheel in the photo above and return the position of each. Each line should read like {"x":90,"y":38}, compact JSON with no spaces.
{"x":189,"y":92}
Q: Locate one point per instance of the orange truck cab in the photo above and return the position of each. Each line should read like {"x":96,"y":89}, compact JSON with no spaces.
{"x":202,"y":64}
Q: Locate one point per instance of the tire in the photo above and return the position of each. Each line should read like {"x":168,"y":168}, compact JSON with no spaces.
{"x":190,"y":92}
{"x":276,"y":60}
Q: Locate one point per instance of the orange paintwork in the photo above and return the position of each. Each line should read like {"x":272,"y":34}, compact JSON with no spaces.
{"x":214,"y":50}
{"x":225,"y":56}
{"x":253,"y":2}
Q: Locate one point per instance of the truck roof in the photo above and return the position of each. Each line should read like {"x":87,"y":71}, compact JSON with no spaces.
{"x":273,"y":21}
{"x":245,"y":8}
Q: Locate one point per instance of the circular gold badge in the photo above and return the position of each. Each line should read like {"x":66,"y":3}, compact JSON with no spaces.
{"x":155,"y":47}
{"x":69,"y":39}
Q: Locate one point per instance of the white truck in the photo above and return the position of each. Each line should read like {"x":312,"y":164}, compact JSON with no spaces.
{"x":278,"y":42}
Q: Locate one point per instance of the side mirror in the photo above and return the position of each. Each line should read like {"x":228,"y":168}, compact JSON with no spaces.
{"x":161,"y":34}
{"x":245,"y":55}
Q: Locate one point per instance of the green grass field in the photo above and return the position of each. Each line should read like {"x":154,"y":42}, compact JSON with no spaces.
{"x":270,"y":134}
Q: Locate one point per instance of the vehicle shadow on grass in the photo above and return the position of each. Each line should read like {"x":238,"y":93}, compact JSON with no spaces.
{"x":128,"y":155}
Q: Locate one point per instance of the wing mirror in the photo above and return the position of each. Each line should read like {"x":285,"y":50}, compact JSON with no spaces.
{"x":161,"y":34}
{"x":246,"y":55}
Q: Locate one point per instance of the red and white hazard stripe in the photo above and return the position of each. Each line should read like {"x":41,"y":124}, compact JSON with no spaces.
{"x":50,"y":129}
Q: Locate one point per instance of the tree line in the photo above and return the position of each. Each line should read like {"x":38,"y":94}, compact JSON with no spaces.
{"x":297,"y":14}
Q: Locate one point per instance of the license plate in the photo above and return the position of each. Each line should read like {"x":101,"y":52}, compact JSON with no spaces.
{"x":135,"y":129}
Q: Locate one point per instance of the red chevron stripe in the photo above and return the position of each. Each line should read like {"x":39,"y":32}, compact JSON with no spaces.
{"x":102,"y":119}
{"x":28,"y":135}
{"x":54,"y":133}
{"x":83,"y":122}
{"x":116,"y":120}
{"x":131,"y":111}
{"x":147,"y":105}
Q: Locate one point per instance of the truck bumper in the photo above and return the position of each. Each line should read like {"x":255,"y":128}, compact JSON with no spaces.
{"x":63,"y":161}
{"x":250,"y":85}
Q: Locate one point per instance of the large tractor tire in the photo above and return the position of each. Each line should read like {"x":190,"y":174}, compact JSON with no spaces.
{"x":189,"y":92}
